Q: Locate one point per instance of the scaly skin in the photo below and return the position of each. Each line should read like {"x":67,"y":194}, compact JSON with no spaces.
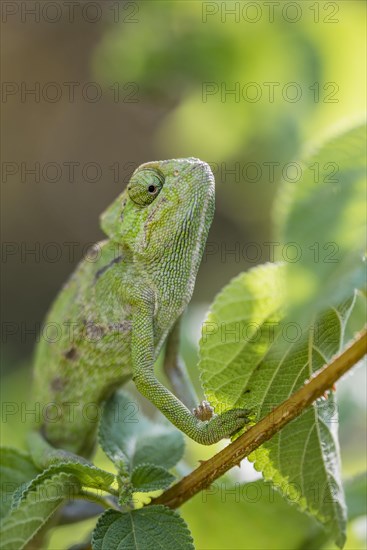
{"x":112,"y":317}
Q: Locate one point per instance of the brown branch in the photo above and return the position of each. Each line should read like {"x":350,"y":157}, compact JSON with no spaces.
{"x":266,"y":428}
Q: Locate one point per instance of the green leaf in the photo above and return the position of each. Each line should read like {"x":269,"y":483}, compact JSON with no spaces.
{"x":238,"y":331}
{"x":149,"y":477}
{"x":141,"y":450}
{"x":16,"y":470}
{"x":323,"y":216}
{"x":88,"y":475}
{"x":35,"y":508}
{"x":261,"y":371}
{"x":119,"y":428}
{"x":57,"y":460}
{"x":148,"y":528}
{"x":130,"y":439}
{"x":163,"y":449}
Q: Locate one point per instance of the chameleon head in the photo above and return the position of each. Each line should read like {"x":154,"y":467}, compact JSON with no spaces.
{"x":166,"y":209}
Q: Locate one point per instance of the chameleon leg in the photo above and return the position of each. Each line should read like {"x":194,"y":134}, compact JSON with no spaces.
{"x":175,"y":369}
{"x":204,"y":432}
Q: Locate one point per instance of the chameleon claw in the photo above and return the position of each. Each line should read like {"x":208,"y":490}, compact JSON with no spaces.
{"x":329,"y":392}
{"x":204,"y":411}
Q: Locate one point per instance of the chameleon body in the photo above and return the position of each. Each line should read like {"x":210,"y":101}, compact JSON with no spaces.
{"x":112,"y":317}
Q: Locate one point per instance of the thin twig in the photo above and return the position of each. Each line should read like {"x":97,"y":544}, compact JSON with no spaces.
{"x":266,"y":428}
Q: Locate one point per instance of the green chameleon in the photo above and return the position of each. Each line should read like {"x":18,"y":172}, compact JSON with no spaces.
{"x":123,"y":302}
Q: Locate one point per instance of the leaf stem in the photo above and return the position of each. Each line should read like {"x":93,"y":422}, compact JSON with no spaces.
{"x":266,"y":428}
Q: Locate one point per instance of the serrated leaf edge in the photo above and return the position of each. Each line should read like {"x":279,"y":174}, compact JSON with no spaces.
{"x":48,"y":517}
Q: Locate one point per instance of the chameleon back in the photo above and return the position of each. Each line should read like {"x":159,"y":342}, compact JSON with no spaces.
{"x":84,"y":352}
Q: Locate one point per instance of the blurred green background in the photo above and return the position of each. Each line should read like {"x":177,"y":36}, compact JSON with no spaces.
{"x":242,"y":85}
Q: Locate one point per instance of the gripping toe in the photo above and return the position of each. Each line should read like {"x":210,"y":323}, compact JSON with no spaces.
{"x":204,"y":411}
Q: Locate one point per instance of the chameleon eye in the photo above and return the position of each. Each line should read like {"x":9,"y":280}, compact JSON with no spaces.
{"x":144,"y":186}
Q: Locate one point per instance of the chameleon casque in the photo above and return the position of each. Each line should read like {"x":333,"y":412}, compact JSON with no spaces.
{"x":123,"y":302}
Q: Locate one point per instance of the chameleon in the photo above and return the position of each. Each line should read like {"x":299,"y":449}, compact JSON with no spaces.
{"x":123,"y":303}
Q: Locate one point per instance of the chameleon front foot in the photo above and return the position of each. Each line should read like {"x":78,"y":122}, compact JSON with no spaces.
{"x":204,"y":411}
{"x":220,"y":426}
